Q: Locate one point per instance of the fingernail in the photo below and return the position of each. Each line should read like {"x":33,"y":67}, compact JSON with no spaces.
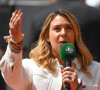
{"x":61,"y":71}
{"x":16,"y":11}
{"x":20,"y":11}
{"x":20,"y":18}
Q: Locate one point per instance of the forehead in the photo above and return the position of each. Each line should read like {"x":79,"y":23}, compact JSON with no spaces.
{"x":60,"y":20}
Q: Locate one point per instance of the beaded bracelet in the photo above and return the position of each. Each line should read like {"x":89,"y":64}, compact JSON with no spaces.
{"x":12,"y":41}
{"x":9,"y":39}
{"x":15,"y":47}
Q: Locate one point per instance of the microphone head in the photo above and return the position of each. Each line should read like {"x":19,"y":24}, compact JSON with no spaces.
{"x":67,"y":51}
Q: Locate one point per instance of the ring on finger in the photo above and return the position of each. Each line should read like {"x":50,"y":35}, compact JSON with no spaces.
{"x":68,"y":76}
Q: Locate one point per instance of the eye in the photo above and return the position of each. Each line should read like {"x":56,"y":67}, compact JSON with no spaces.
{"x":68,"y":28}
{"x":57,"y":28}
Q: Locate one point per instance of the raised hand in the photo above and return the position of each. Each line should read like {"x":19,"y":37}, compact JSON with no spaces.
{"x":15,"y":26}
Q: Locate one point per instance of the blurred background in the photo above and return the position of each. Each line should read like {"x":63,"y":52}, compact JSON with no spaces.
{"x":31,"y":9}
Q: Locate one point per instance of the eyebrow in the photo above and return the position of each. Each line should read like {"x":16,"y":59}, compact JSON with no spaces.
{"x":69,"y":24}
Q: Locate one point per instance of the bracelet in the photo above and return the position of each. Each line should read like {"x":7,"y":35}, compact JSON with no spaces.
{"x":9,"y":39}
{"x":15,"y":46}
{"x":12,"y":41}
{"x":15,"y":49}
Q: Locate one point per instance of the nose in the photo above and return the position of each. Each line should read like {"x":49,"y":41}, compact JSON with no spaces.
{"x":63,"y":32}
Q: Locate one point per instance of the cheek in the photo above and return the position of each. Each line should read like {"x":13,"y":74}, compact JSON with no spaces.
{"x":71,"y":37}
{"x":53,"y":37}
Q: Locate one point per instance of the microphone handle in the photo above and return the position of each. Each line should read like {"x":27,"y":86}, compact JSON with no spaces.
{"x":67,"y":86}
{"x":67,"y":63}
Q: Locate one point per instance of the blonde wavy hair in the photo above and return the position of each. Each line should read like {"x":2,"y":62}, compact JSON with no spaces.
{"x":42,"y":53}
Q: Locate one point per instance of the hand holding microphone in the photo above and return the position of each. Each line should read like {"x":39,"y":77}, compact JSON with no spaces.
{"x":67,"y":54}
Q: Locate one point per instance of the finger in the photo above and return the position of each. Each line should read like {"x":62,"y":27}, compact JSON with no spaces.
{"x":67,"y":76}
{"x":11,"y":26}
{"x":61,"y":71}
{"x":18,"y":22}
{"x":73,"y":76}
{"x":13,"y":15}
{"x":69,"y":80}
{"x":20,"y":19}
{"x":13,"y":18}
{"x":66,"y":80}
{"x":17,"y":16}
{"x":67,"y":73}
{"x":68,"y":69}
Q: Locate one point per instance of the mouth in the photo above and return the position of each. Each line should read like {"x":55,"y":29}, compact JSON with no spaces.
{"x":62,"y":42}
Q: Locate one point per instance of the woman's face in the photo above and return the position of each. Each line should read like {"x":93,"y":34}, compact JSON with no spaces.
{"x":60,"y":32}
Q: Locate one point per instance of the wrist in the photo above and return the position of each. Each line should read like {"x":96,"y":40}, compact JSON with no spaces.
{"x":15,"y":47}
{"x":18,"y":39}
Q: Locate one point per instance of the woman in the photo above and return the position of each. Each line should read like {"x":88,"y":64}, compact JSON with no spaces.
{"x":43,"y":70}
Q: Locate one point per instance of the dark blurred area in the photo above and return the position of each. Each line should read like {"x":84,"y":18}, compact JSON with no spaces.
{"x":5,"y":14}
{"x":30,"y":10}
